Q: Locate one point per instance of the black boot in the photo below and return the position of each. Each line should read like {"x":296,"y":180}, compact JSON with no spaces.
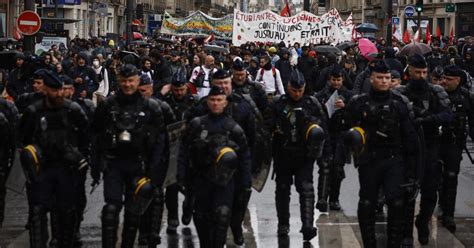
{"x":334,"y":194}
{"x":222,"y":217}
{"x":366,"y":216}
{"x":450,"y":184}
{"x":110,"y":221}
{"x":144,"y":227}
{"x":423,"y":230}
{"x":307,"y":212}
{"x":395,"y":223}
{"x":188,"y":206}
{"x":67,"y":221}
{"x":203,"y":227}
{"x":54,"y":222}
{"x":407,"y":241}
{"x":171,"y":200}
{"x":38,"y":227}
{"x":157,"y":207}
{"x":241,"y":201}
{"x":130,"y":227}
{"x":282,"y":201}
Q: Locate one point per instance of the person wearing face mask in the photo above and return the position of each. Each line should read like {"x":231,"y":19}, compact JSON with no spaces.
{"x":103,"y":78}
{"x":432,"y":109}
{"x":81,"y":73}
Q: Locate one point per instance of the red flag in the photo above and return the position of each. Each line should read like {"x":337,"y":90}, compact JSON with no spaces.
{"x":406,"y":37}
{"x":286,"y":10}
{"x":451,"y":37}
{"x":438,"y":32}
{"x":428,"y":35}
{"x":417,"y":36}
{"x":209,"y":39}
{"x":16,"y":33}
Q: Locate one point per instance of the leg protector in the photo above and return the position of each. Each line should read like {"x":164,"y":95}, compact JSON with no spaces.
{"x":203,"y":227}
{"x":307,"y":211}
{"x":282,"y":200}
{"x":38,"y":227}
{"x":366,"y":215}
{"x":110,"y":221}
{"x":409,"y":216}
{"x":54,"y":222}
{"x":188,"y":207}
{"x":241,"y":201}
{"x":222,"y":216}
{"x":67,"y":227}
{"x":130,"y":227}
{"x":156,"y":217}
{"x":395,"y":223}
{"x":172,"y":202}
{"x":144,"y":227}
{"x":323,"y":187}
{"x":450,"y":184}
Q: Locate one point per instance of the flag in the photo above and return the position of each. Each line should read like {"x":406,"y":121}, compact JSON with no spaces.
{"x":397,"y":32}
{"x":417,"y":36}
{"x":438,"y":33}
{"x":451,"y":37}
{"x":209,"y":38}
{"x":286,"y":10}
{"x":16,"y":33}
{"x":428,"y":35}
{"x":406,"y":37}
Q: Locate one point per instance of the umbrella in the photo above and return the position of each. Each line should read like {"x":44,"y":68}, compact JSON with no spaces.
{"x":7,"y":59}
{"x":325,"y":49}
{"x":367,"y":28}
{"x":137,"y":36}
{"x":415,"y":48}
{"x":367,"y":49}
{"x":164,"y":40}
{"x":214,"y":48}
{"x":345,"y":45}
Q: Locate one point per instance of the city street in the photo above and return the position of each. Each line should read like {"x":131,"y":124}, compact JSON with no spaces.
{"x":336,"y":229}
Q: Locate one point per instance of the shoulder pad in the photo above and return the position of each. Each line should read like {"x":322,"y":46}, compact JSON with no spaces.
{"x":195,"y":122}
{"x":314,"y":100}
{"x":360,"y":97}
{"x":404,"y":100}
{"x":153,"y":104}
{"x":441,"y":94}
{"x":74,"y":106}
{"x":400,"y":89}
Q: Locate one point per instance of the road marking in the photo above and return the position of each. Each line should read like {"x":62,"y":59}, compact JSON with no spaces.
{"x":347,"y":223}
{"x":254,"y":223}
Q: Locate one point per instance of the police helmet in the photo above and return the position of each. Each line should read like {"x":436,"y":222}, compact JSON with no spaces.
{"x":225,"y":163}
{"x":355,"y":139}
{"x":314,"y":138}
{"x":30,"y":157}
{"x":142,"y":196}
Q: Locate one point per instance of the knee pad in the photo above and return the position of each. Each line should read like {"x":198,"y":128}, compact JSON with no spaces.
{"x":306,"y":189}
{"x":222,"y":215}
{"x":110,"y":213}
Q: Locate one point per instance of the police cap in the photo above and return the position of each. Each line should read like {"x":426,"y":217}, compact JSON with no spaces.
{"x":20,"y":56}
{"x":52,"y":80}
{"x":453,"y":71}
{"x":128,"y":70}
{"x":220,"y":74}
{"x":337,"y":71}
{"x":66,"y":79}
{"x":395,"y":74}
{"x":417,"y":61}
{"x":437,"y":72}
{"x":178,"y":79}
{"x":297,"y":79}
{"x":175,"y":53}
{"x":39,"y":74}
{"x":215,"y":91}
{"x":238,"y":65}
{"x":381,"y":67}
{"x":145,"y":80}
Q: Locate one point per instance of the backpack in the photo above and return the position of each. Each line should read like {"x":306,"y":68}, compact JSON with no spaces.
{"x":274,"y":76}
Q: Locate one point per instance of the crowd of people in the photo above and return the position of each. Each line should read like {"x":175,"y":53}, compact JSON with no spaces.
{"x":110,"y":109}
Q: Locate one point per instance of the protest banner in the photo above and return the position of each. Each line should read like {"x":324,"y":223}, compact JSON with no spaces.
{"x":304,"y":28}
{"x":47,"y":42}
{"x":198,"y":24}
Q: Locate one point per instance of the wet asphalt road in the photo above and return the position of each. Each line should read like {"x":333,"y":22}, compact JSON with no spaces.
{"x":335,"y":229}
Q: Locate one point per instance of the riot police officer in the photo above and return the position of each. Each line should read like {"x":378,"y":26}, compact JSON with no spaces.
{"x":242,"y":85}
{"x":241,"y":111}
{"x":8,"y":124}
{"x":337,"y":127}
{"x":150,"y":224}
{"x":431,"y":107}
{"x":383,"y":140}
{"x":453,"y":140}
{"x":130,"y":144}
{"x":55,"y":138}
{"x":24,"y":100}
{"x":215,"y":147}
{"x":299,"y":128}
{"x":69,"y":92}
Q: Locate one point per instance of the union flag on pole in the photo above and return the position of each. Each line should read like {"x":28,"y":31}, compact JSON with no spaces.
{"x":286,"y":10}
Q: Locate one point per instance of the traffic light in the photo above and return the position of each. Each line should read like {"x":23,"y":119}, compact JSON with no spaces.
{"x":419,"y":6}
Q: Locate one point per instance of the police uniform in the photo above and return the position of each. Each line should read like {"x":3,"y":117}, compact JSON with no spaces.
{"x":130,"y":143}
{"x":337,"y":127}
{"x":150,"y":223}
{"x":250,"y":88}
{"x":241,"y":111}
{"x":8,"y":124}
{"x":24,"y":100}
{"x":214,"y":148}
{"x":298,"y":135}
{"x":383,"y":141}
{"x":453,"y":141}
{"x":431,"y":107}
{"x":56,"y":147}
